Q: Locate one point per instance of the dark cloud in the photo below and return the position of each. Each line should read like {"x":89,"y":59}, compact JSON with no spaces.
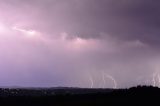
{"x":127,"y":19}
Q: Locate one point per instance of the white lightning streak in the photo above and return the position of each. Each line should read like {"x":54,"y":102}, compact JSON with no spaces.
{"x":154,"y":81}
{"x":111,"y":78}
{"x":158,"y":76}
{"x":104,"y":81}
{"x":91,"y":80}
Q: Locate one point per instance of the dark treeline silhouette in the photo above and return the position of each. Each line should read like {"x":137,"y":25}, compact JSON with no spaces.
{"x":79,"y":97}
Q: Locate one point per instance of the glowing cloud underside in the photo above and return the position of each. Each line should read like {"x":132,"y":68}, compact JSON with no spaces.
{"x":27,"y":33}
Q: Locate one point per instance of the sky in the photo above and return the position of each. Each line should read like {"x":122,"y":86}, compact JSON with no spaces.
{"x":79,"y":43}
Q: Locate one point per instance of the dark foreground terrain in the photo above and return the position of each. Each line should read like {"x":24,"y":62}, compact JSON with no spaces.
{"x":79,"y":97}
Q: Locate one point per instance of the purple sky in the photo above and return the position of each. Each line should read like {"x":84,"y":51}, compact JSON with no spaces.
{"x":79,"y":43}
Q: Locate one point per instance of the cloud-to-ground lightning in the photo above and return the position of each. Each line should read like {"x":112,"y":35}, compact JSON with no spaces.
{"x":104,"y":77}
{"x":112,"y":79}
{"x":158,"y":76}
{"x":156,"y":79}
{"x":91,"y":80}
{"x":104,"y":81}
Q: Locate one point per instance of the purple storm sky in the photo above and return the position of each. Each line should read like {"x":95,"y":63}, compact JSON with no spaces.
{"x":79,"y":43}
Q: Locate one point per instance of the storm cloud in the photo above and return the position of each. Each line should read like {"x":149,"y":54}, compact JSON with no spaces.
{"x":79,"y":43}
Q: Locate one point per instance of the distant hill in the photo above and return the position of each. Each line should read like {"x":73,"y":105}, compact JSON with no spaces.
{"x":64,"y":96}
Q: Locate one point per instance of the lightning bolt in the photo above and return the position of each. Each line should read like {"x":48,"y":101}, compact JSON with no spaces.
{"x":103,"y":78}
{"x":158,"y":77}
{"x":111,"y":78}
{"x":154,"y":80}
{"x":91,"y":80}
